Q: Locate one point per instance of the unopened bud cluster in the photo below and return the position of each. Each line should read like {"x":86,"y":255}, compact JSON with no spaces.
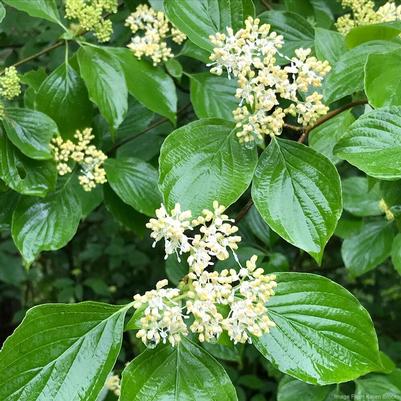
{"x":363,"y":12}
{"x":89,"y":14}
{"x":151,"y":29}
{"x":384,"y":207}
{"x":233,"y":300}
{"x":89,"y":158}
{"x":113,"y":383}
{"x":10,"y":86}
{"x":250,"y":55}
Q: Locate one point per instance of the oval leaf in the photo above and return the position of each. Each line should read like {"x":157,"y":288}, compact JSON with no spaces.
{"x":45,"y":224}
{"x":202,"y":162}
{"x":135,"y":182}
{"x":30,"y":131}
{"x":298,"y":192}
{"x":63,"y":96}
{"x":167,"y":374}
{"x":322,"y":335}
{"x":46,"y":9}
{"x":61,"y":352}
{"x":379,"y":387}
{"x":373,"y":143}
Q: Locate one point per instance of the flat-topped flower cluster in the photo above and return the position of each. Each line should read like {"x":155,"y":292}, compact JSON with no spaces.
{"x":151,"y":29}
{"x":363,"y":12}
{"x":10,"y":86}
{"x":89,"y":158}
{"x":250,"y":55}
{"x":232,"y":300}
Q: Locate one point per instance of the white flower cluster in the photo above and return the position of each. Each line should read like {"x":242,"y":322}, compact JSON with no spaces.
{"x":155,"y":29}
{"x":87,"y":156}
{"x":250,"y":56}
{"x":363,"y":12}
{"x":10,"y":86}
{"x":89,"y":14}
{"x":230,"y":300}
{"x":113,"y":383}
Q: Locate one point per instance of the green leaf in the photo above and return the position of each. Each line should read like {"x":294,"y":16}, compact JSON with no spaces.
{"x":384,"y":387}
{"x":329,"y":45}
{"x":150,"y":85}
{"x":296,"y":30}
{"x":45,"y":224}
{"x":396,"y":253}
{"x":368,"y":248}
{"x":324,"y":137}
{"x":213,"y":96}
{"x":64,"y":97}
{"x":61,"y":352}
{"x":30,"y":131}
{"x":174,"y":67}
{"x":223,"y":352}
{"x":24,"y":175}
{"x":106,"y":83}
{"x":290,"y":389}
{"x":298,"y":193}
{"x":46,"y":9}
{"x":373,"y":143}
{"x":186,"y":373}
{"x":123,"y":213}
{"x":2,"y":12}
{"x":203,"y":162}
{"x":359,"y":199}
{"x":367,"y":33}
{"x":382,"y":83}
{"x":191,"y":50}
{"x":135,"y":182}
{"x":346,"y":76}
{"x":323,"y":335}
{"x":202,"y":18}
{"x":175,"y":269}
{"x":8,"y":200}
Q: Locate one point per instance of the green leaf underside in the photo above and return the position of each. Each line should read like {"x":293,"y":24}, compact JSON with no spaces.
{"x":373,"y":143}
{"x":203,"y":162}
{"x":297,"y":191}
{"x":45,"y":224}
{"x":202,"y":18}
{"x":368,"y":248}
{"x":105,"y":81}
{"x":385,"y":387}
{"x":322,"y":335}
{"x":135,"y":182}
{"x":24,"y":175}
{"x":184,"y":373}
{"x":61,"y":352}
{"x":30,"y":131}
{"x":64,"y":97}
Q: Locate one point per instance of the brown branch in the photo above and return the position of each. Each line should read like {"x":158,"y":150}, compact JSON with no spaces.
{"x":243,"y":212}
{"x":329,"y":116}
{"x":267,"y":4}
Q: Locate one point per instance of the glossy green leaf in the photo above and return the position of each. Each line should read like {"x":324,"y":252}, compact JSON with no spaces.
{"x":396,"y":253}
{"x":135,"y":182}
{"x":290,"y":389}
{"x":203,"y":162}
{"x":323,"y":335}
{"x":191,"y":50}
{"x":24,"y":175}
{"x":176,"y":269}
{"x":64,"y":97}
{"x":366,"y":33}
{"x":373,"y":143}
{"x":298,"y":193}
{"x":150,"y":85}
{"x":8,"y":200}
{"x":46,"y":9}
{"x":329,"y":45}
{"x":61,"y":352}
{"x":359,"y":199}
{"x":325,"y":137}
{"x":45,"y":224}
{"x":382,"y":83}
{"x":213,"y":96}
{"x":368,"y":248}
{"x":106,"y":83}
{"x":223,"y":352}
{"x":174,"y":67}
{"x":202,"y":18}
{"x":379,"y":387}
{"x":296,"y":30}
{"x":186,"y":373}
{"x":346,"y":76}
{"x":30,"y":131}
{"x":2,"y":12}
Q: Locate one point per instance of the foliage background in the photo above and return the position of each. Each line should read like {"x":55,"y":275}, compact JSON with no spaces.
{"x":111,"y":258}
